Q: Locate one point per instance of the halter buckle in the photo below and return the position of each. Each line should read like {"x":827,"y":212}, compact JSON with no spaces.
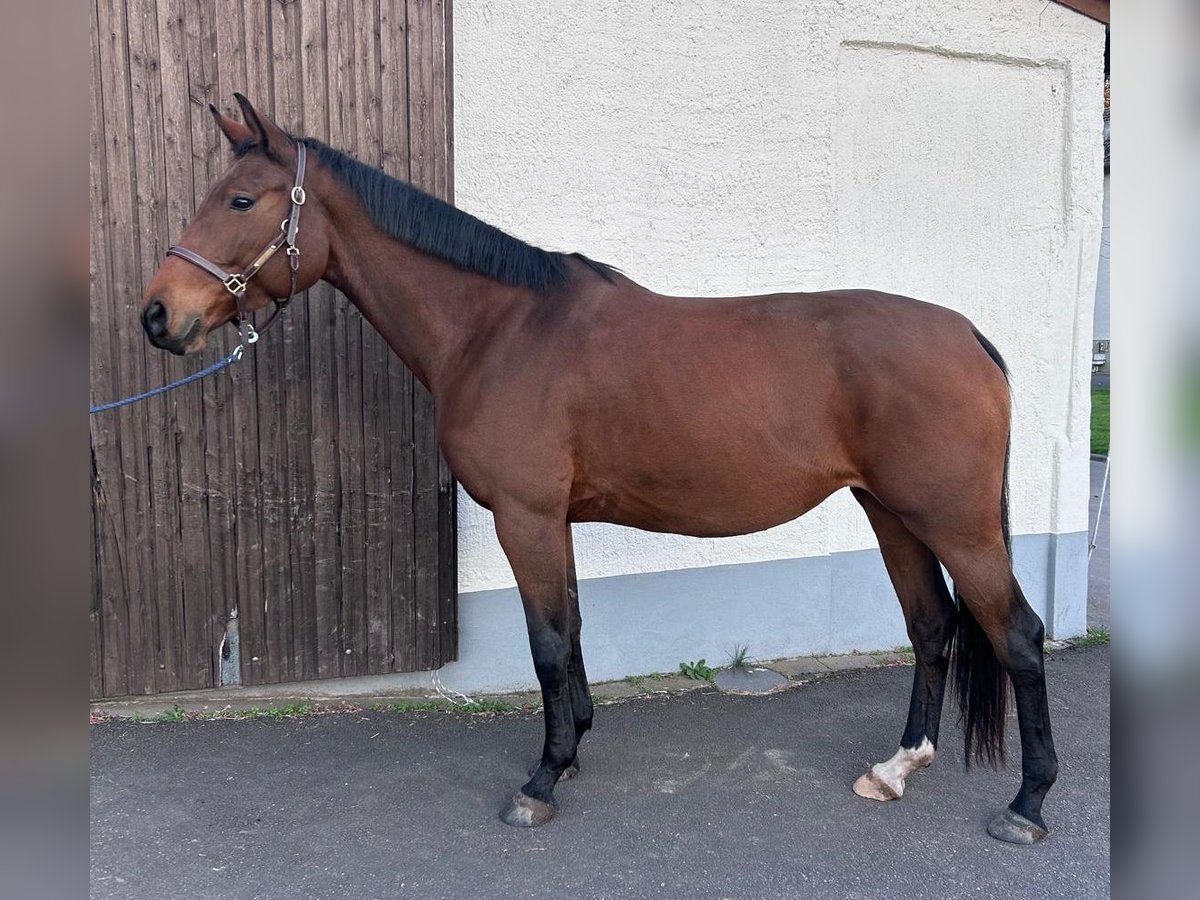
{"x":292,"y":250}
{"x":235,"y":285}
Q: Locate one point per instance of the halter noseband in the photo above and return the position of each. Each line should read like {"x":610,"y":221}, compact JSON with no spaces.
{"x":236,"y":283}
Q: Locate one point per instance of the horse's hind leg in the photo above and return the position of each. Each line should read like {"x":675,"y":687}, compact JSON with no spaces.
{"x":929,"y":614}
{"x":997,"y":612}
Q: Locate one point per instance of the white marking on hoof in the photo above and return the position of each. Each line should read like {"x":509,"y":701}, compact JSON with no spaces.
{"x":885,"y":780}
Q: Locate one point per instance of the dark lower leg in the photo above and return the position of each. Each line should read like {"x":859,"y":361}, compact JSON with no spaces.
{"x":993,"y":597}
{"x":551,"y":661}
{"x":1026,"y":668}
{"x":930,"y":635}
{"x":581,"y":692}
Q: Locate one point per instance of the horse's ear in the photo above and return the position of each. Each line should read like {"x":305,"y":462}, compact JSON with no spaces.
{"x":273,"y":139}
{"x":235,"y":132}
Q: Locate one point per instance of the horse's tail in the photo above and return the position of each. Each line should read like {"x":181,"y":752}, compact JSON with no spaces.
{"x":980,"y":681}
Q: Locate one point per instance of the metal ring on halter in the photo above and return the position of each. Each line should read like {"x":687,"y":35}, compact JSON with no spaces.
{"x":298,"y":195}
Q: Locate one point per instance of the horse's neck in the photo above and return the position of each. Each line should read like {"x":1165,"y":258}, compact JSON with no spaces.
{"x":427,"y":310}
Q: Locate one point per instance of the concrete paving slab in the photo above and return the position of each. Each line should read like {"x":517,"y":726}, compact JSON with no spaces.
{"x":849,"y":661}
{"x":802,"y":668}
{"x":616,"y":690}
{"x":750,"y":680}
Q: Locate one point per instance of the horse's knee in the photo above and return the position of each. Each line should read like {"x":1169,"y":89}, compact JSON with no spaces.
{"x":551,"y":656}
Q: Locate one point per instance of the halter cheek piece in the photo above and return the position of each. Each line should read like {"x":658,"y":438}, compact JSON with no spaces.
{"x":236,"y":283}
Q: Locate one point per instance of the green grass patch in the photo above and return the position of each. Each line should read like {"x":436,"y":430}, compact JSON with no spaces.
{"x":484,"y":707}
{"x":1095,"y":637}
{"x":639,"y":681}
{"x":1100,"y":421}
{"x":174,"y":714}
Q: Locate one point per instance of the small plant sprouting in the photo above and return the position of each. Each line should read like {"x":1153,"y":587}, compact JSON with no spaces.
{"x":741,"y":657}
{"x":697,"y":671}
{"x":174,"y":714}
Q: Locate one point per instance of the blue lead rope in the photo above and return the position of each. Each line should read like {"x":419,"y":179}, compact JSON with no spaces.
{"x":196,"y":376}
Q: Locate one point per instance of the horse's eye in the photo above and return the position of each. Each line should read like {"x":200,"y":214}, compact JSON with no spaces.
{"x":241,"y":202}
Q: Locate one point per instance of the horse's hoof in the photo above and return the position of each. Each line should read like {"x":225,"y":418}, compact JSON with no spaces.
{"x":524,"y":811}
{"x":568,"y":773}
{"x":1014,"y":828}
{"x":872,"y":787}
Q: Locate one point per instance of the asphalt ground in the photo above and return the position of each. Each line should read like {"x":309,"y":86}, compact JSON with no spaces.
{"x":691,"y":795}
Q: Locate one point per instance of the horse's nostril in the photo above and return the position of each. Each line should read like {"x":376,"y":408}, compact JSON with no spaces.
{"x":154,"y":319}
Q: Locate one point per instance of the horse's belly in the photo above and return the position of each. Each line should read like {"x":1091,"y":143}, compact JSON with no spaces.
{"x":719,"y":506}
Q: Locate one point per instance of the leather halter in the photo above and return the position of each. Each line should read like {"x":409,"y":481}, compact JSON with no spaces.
{"x":236,"y":282}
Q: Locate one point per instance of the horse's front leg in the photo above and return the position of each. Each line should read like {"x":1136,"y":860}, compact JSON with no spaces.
{"x":537,"y":549}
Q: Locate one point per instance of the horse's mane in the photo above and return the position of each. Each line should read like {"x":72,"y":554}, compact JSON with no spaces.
{"x":432,"y":226}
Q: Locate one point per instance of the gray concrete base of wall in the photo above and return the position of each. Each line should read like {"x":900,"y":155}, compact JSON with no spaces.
{"x":637,"y":624}
{"x":841,"y":603}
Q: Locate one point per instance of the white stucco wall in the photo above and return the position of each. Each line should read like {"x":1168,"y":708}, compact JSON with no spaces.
{"x":1101,"y":327}
{"x":947,"y":149}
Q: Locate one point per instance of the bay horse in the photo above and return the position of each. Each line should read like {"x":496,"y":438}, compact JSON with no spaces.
{"x":567,"y":393}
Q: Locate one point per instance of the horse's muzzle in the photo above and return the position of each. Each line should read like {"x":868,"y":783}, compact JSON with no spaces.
{"x":156,"y":323}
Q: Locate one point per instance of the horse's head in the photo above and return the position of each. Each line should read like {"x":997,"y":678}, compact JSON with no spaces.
{"x":238,"y":221}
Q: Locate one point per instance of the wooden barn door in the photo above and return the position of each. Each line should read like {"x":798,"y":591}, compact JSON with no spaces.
{"x":297,"y":503}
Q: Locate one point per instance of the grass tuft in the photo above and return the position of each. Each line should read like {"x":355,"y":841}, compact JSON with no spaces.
{"x":1095,"y":637}
{"x":1100,"y":421}
{"x":741,"y":657}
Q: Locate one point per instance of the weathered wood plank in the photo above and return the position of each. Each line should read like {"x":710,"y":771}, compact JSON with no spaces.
{"x":233,"y":49}
{"x":216,"y":440}
{"x":188,"y":546}
{"x":378,"y":526}
{"x":342,"y":49}
{"x":269,"y":389}
{"x":299,"y":628}
{"x":395,"y":161}
{"x":156,"y":416}
{"x":426,"y":97}
{"x":326,"y":433}
{"x":129,"y":368}
{"x":110,"y":587}
{"x":447,"y":518}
